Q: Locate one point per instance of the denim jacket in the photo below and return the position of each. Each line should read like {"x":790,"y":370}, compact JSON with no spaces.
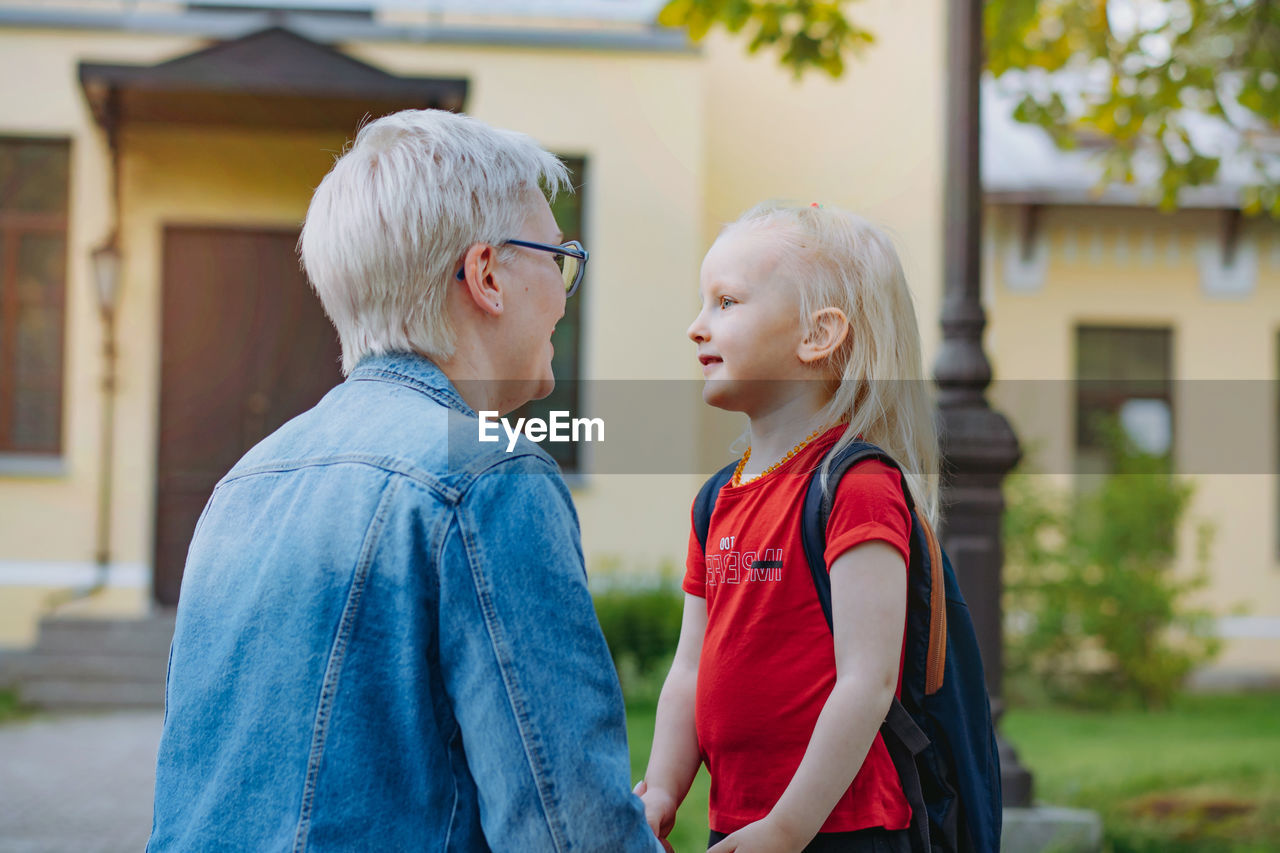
{"x":385,"y":641}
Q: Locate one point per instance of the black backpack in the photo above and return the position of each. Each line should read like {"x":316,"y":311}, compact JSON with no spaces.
{"x":939,"y":734}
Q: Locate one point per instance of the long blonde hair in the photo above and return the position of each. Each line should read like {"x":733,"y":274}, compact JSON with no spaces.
{"x":842,"y":261}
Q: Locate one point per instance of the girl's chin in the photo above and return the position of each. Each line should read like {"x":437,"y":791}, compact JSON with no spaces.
{"x":721,"y":394}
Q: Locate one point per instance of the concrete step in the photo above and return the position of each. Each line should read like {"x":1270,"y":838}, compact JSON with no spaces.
{"x":40,"y":665}
{"x":148,"y":635}
{"x":1050,"y":829}
{"x":84,"y":694}
{"x":95,"y":662}
{"x":9,"y":664}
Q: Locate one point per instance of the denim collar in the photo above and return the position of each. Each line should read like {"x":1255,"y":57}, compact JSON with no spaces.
{"x":414,"y":371}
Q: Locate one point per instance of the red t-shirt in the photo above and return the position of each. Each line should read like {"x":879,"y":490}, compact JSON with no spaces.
{"x":768,"y":662}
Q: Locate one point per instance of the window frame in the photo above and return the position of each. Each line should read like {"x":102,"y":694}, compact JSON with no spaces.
{"x":1110,"y":394}
{"x":15,"y":225}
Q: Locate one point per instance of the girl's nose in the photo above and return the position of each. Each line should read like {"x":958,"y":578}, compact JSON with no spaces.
{"x":697,"y":330}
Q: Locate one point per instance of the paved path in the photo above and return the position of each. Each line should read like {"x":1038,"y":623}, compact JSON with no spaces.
{"x":78,"y":782}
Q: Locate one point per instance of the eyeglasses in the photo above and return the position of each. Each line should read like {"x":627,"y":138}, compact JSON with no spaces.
{"x":571,"y":257}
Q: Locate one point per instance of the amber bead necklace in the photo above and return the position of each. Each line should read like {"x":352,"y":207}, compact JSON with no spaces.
{"x":742,"y":463}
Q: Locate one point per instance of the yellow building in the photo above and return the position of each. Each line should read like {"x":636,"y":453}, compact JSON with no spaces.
{"x":197,"y":132}
{"x":203,"y":128}
{"x":1101,"y":304}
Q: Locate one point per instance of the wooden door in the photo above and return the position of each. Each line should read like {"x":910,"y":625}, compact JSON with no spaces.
{"x":245,"y":347}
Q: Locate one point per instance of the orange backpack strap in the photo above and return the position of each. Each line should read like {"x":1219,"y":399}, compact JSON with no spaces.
{"x":937,"y":663}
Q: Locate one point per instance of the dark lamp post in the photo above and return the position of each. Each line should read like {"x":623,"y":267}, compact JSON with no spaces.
{"x":978,"y":445}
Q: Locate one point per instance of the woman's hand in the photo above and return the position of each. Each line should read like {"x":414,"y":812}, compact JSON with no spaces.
{"x":763,"y":836}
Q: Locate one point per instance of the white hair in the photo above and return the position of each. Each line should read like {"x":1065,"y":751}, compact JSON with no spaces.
{"x":879,"y":388}
{"x":388,"y":226}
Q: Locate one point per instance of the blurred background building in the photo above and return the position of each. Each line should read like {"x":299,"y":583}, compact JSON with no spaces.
{"x":157,"y":159}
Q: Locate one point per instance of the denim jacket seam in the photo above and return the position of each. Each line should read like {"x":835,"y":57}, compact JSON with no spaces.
{"x":451,"y":494}
{"x":529,"y":737}
{"x":486,"y":464}
{"x":453,"y":777}
{"x":446,"y":396}
{"x":437,"y":549}
{"x":337,"y":656}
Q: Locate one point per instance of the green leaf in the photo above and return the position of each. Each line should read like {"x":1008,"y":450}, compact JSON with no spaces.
{"x":1207,"y":42}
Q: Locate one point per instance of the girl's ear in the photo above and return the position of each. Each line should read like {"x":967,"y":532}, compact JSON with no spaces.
{"x":827,"y":332}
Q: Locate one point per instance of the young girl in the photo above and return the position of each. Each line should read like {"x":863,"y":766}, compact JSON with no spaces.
{"x":807,"y":327}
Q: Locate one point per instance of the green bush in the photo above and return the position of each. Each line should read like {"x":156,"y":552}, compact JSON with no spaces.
{"x":1097,"y":613}
{"x":641,"y":627}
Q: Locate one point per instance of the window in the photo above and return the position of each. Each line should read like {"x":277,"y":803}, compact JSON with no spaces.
{"x":33,"y":256}
{"x":1124,"y":380}
{"x":566,"y":362}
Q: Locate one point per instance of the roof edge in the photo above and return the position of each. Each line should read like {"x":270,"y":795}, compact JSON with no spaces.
{"x":658,"y":40}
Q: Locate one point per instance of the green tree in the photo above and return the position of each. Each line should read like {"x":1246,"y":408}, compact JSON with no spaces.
{"x":1149,"y":79}
{"x":810,"y":35}
{"x":1185,"y":82}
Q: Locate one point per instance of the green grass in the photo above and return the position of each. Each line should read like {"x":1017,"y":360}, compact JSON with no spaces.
{"x":10,"y":708}
{"x":1203,"y":777}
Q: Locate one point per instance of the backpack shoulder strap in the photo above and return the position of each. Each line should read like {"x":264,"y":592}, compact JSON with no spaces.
{"x":813,"y":535}
{"x":705,"y":502}
{"x":817,"y":510}
{"x":902,"y":735}
{"x":936,"y":665}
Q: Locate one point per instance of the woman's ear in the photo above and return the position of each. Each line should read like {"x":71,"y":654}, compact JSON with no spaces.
{"x":827,"y":331}
{"x":478,"y":267}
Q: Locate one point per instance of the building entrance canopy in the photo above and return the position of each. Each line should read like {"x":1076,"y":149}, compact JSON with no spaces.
{"x":273,"y":78}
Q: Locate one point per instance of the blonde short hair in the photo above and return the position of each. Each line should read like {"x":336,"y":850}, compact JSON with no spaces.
{"x":388,"y":226}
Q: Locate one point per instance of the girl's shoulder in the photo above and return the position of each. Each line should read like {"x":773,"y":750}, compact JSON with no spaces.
{"x":872,"y":487}
{"x":871,"y":474}
{"x":869,"y":504}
